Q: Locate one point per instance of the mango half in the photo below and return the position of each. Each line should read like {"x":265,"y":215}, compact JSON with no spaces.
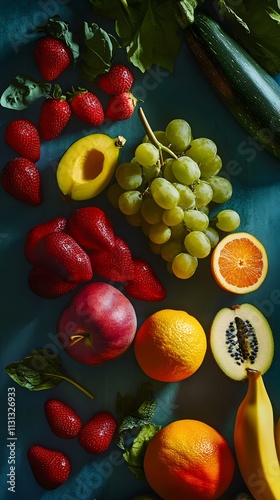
{"x":88,"y":165}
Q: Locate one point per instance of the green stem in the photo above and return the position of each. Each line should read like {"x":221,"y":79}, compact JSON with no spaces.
{"x":71,"y":382}
{"x":152,"y":136}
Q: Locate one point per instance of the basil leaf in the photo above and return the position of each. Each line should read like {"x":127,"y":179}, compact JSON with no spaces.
{"x":39,"y":370}
{"x":134,"y":456}
{"x":97,"y":51}
{"x":59,"y":30}
{"x":23,"y":91}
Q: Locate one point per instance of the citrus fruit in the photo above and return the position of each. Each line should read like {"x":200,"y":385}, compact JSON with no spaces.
{"x":239,"y":263}
{"x":170,"y":345}
{"x":188,"y":459}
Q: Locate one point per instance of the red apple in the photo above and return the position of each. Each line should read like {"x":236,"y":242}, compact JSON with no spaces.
{"x":98,"y":325}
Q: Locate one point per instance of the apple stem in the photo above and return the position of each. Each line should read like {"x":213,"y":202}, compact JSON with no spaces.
{"x":76,"y":338}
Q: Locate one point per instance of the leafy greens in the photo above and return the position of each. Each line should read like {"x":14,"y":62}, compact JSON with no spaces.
{"x":149,"y":29}
{"x":255,"y":24}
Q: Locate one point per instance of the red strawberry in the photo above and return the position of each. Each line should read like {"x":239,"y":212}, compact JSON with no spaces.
{"x":117,"y":80}
{"x":21,"y":179}
{"x":115,"y":264}
{"x":86,"y":106}
{"x":62,"y":255}
{"x":98,"y":433}
{"x":54,"y":115}
{"x":22,"y":136}
{"x":91,"y":228}
{"x":120,"y":106}
{"x":35,"y":234}
{"x":51,"y":468}
{"x":52,"y":57}
{"x":63,"y":421}
{"x":145,"y":285}
{"x":48,"y":284}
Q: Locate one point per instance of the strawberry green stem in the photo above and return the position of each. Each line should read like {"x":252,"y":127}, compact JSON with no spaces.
{"x":152,"y":136}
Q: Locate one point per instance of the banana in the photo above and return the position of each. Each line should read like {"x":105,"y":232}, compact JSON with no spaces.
{"x":277,"y":438}
{"x":254,"y":441}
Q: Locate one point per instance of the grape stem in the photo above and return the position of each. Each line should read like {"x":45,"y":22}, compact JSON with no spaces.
{"x":152,"y":136}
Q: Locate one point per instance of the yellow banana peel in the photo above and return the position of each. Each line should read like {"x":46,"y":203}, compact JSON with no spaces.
{"x":254,"y":441}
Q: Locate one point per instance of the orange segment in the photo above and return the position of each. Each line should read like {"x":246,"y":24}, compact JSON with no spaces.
{"x":239,"y":263}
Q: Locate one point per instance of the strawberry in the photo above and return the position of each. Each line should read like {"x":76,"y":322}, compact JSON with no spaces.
{"x":37,"y":232}
{"x":117,"y":80}
{"x":145,"y":285}
{"x":91,"y":228}
{"x":21,"y":179}
{"x":62,"y":255}
{"x":54,"y":115}
{"x":52,"y":57}
{"x":115,"y":264}
{"x":48,"y":284}
{"x":120,"y":106}
{"x":22,"y":136}
{"x":86,"y":106}
{"x":51,"y":468}
{"x":98,"y":433}
{"x":63,"y":421}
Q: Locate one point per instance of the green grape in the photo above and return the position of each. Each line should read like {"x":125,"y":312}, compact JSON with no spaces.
{"x":205,"y":210}
{"x":187,"y":197}
{"x":210,"y":167}
{"x":186,"y":170}
{"x":203,"y":194}
{"x":202,"y":149}
{"x":150,"y":173}
{"x":129,"y":175}
{"x":227,"y":220}
{"x":184,"y":265}
{"x":164,"y":193}
{"x":169,"y":268}
{"x":178,"y":231}
{"x":159,"y":233}
{"x":222,"y":188}
{"x":145,"y":226}
{"x":213,"y":236}
{"x":134,"y":219}
{"x":161,"y":137}
{"x":147,"y":154}
{"x":151,"y":211}
{"x":130,"y":202}
{"x":179,"y":135}
{"x":196,"y":220}
{"x":170,"y":249}
{"x":173,"y":216}
{"x":155,"y":247}
{"x":167,"y":170}
{"x":197,"y":244}
{"x":113,"y":194}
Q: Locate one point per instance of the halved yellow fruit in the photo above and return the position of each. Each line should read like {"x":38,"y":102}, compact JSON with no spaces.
{"x":88,"y":165}
{"x":239,"y":263}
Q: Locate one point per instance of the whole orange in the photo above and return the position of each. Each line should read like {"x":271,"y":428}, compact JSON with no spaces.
{"x":189,"y":459}
{"x":170,"y":345}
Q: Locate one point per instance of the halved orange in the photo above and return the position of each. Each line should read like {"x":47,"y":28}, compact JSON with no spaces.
{"x":239,"y":263}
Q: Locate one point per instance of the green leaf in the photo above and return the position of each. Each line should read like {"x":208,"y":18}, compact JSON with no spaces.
{"x":59,"y":29}
{"x":185,"y":11}
{"x":154,"y":37}
{"x":23,"y":91}
{"x":256,"y":26}
{"x":97,"y":50}
{"x":134,"y":456}
{"x":39,"y":370}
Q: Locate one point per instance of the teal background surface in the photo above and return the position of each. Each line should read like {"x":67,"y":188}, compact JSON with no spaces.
{"x":29,"y":322}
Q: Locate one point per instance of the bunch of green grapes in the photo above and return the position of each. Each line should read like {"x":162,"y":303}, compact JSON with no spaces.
{"x":166,"y":190}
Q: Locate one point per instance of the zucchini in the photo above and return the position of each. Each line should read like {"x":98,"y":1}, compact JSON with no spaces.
{"x":249,"y":92}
